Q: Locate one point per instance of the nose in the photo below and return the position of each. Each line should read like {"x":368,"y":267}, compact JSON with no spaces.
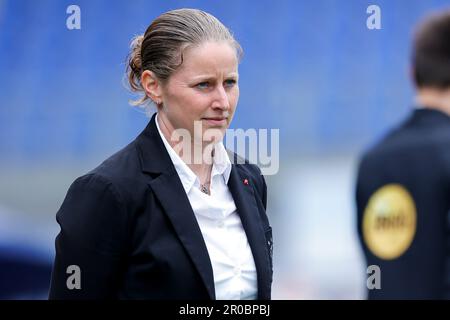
{"x":221,"y":100}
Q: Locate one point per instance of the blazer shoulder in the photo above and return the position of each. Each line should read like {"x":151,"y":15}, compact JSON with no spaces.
{"x":120,"y":163}
{"x":120,"y":175}
{"x":251,"y":171}
{"x":94,"y":182}
{"x":244,"y":165}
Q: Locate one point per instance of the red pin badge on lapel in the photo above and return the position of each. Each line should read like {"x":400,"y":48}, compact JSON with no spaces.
{"x":246,"y":182}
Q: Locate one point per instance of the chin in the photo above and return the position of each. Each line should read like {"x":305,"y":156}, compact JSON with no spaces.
{"x":214,"y":135}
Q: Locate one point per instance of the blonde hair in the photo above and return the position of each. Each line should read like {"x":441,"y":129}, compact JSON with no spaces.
{"x":160,"y":48}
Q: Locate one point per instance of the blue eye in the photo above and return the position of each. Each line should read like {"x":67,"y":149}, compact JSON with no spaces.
{"x":230,"y":82}
{"x":203,"y":85}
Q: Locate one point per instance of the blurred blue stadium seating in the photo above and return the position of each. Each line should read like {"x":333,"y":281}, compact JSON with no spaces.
{"x":311,"y":68}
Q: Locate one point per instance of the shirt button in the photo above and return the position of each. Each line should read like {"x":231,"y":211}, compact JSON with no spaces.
{"x":237,"y":271}
{"x":220,"y":224}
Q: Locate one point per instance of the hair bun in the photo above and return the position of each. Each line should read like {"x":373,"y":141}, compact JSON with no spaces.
{"x":135,"y":63}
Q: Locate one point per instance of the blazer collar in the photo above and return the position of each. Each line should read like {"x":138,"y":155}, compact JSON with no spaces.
{"x":168,"y":188}
{"x":154,"y":157}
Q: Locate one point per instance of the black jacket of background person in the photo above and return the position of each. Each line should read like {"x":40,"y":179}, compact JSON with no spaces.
{"x":130,"y":228}
{"x":417,"y":156}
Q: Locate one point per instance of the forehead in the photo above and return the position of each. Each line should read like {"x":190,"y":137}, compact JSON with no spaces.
{"x":209,"y":58}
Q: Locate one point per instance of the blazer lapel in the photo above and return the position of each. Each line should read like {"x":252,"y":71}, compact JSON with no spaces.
{"x":168,"y":189}
{"x":247,"y":208}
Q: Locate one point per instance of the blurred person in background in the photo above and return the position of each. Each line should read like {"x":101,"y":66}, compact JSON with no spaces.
{"x":403,"y":184}
{"x":151,"y":222}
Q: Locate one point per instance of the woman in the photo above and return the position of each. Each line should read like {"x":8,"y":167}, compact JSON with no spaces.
{"x":155,"y":220}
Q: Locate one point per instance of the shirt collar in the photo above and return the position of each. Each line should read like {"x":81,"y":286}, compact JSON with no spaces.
{"x":221,"y":163}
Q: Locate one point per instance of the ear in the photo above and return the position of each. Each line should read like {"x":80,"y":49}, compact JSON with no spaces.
{"x":152,"y":86}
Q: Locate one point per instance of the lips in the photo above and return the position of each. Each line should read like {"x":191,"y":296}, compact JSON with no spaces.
{"x":216,"y":121}
{"x":215,"y":118}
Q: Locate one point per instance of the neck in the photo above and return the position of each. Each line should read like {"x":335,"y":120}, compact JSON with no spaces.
{"x":432,"y":98}
{"x":197,"y":155}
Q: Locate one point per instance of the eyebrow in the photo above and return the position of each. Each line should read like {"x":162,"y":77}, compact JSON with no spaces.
{"x":207,"y":77}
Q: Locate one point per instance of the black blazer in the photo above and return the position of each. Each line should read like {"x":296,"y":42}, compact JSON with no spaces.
{"x":416,"y":155}
{"x":130,"y":228}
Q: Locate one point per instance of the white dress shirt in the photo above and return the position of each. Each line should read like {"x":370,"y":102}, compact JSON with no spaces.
{"x":228,"y":248}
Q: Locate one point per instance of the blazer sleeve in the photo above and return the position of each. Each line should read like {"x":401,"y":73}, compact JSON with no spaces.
{"x":92,"y":238}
